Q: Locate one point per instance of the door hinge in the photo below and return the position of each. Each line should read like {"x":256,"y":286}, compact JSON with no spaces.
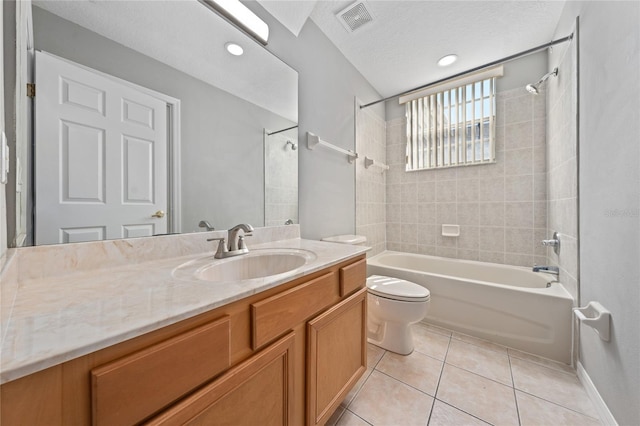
{"x":31,"y":90}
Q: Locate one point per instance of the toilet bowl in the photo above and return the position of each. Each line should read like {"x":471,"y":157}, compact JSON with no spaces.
{"x":393,"y":306}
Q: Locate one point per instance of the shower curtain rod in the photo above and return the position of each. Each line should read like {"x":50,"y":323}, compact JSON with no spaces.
{"x":280,"y":131}
{"x":490,"y":64}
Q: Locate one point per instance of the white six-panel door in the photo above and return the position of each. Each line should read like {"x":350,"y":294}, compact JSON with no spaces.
{"x":100,"y":156}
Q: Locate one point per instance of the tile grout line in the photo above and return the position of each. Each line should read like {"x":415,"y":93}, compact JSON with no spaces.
{"x":539,"y":397}
{"x":515,"y":397}
{"x":444,"y":362}
{"x":406,"y":384}
{"x":346,"y":407}
{"x":461,"y":410}
{"x":479,"y":375}
{"x":345,"y":410}
{"x":539,"y":364}
{"x":558,"y":405}
{"x":482,"y":347}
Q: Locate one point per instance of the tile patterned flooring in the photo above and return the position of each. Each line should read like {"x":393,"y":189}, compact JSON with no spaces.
{"x":455,"y":379}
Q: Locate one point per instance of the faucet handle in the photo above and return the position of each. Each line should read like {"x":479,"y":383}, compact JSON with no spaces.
{"x":241,"y":244}
{"x":222,"y":247}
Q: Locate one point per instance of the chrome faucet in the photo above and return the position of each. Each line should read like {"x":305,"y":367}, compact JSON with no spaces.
{"x":547,"y":269}
{"x":236,"y":242}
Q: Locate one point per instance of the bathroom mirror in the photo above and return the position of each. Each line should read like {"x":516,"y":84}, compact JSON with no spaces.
{"x":281,"y":177}
{"x":215,"y":111}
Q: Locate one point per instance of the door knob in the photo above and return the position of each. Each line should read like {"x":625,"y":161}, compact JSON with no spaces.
{"x":159,"y":214}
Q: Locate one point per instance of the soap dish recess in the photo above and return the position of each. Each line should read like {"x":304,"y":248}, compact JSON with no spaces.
{"x":596,"y":316}
{"x":450,"y":230}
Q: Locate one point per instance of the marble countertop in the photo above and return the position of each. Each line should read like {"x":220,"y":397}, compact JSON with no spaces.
{"x":53,"y":320}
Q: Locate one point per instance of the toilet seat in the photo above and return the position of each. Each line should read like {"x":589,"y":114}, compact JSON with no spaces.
{"x":397,"y":289}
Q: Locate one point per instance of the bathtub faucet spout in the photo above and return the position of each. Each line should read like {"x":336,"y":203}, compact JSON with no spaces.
{"x":547,"y":269}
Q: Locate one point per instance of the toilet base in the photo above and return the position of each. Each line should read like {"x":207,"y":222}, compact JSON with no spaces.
{"x":394,"y":337}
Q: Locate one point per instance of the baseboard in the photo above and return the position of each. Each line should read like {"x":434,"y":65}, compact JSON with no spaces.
{"x":601,"y":407}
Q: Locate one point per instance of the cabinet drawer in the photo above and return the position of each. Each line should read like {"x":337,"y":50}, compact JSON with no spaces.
{"x":257,"y":392}
{"x":132,"y":388}
{"x":273,"y":316}
{"x":353,"y":277}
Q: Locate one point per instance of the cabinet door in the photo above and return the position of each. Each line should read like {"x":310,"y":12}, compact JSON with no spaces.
{"x":336,"y":355}
{"x":257,"y":392}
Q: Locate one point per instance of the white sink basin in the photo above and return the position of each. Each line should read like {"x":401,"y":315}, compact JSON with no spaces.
{"x":255,"y":264}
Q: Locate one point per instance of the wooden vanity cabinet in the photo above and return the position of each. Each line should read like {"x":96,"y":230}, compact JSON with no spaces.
{"x":285,"y":356}
{"x":336,"y":355}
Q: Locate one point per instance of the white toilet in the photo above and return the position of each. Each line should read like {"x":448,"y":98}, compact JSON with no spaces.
{"x":394,"y":305}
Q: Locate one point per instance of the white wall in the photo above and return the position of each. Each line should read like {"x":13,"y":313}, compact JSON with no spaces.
{"x":3,"y":210}
{"x":327,"y":85}
{"x":609,"y":195}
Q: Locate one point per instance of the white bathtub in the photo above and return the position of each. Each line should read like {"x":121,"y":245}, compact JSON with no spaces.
{"x":509,"y":305}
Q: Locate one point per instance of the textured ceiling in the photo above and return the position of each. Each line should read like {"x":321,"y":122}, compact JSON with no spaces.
{"x":398,"y":51}
{"x":186,"y":35}
{"x":292,"y":14}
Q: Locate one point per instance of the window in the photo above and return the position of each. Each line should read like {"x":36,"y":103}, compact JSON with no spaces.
{"x":452,"y":124}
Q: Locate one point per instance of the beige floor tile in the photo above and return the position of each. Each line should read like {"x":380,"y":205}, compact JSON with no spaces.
{"x":333,"y":420}
{"x":350,"y":419}
{"x":561,"y":388}
{"x":416,"y":369}
{"x":479,"y":342}
{"x":446,"y":415}
{"x":483,"y":398}
{"x":386,"y":401}
{"x":374,"y":354}
{"x":429,"y":343}
{"x":354,"y":391}
{"x":514,"y":353}
{"x":435,"y":328}
{"x":535,"y":411}
{"x":485,"y":362}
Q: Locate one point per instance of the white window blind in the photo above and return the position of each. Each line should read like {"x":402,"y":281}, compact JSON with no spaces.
{"x":452,"y":127}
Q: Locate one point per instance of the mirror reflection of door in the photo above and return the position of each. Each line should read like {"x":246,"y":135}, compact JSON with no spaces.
{"x":100,"y":156}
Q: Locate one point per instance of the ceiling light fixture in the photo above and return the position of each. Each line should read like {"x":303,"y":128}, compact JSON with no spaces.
{"x":234,"y":49}
{"x":242,"y":17}
{"x":447,"y":60}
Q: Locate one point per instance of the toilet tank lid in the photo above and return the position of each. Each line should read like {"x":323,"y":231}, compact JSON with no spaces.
{"x":346,"y":239}
{"x":395,"y":288}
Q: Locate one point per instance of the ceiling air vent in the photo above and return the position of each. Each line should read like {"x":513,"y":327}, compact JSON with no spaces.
{"x":354,"y":16}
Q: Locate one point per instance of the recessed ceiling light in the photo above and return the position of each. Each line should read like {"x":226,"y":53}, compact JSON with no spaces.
{"x":234,"y":49}
{"x":447,"y":60}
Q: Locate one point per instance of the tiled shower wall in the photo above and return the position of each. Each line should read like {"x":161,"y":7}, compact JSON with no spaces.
{"x":280,"y":179}
{"x":562,"y":165}
{"x":370,"y":183}
{"x":501,"y":208}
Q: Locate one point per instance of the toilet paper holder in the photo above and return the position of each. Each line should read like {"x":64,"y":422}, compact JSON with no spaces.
{"x":596,"y":316}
